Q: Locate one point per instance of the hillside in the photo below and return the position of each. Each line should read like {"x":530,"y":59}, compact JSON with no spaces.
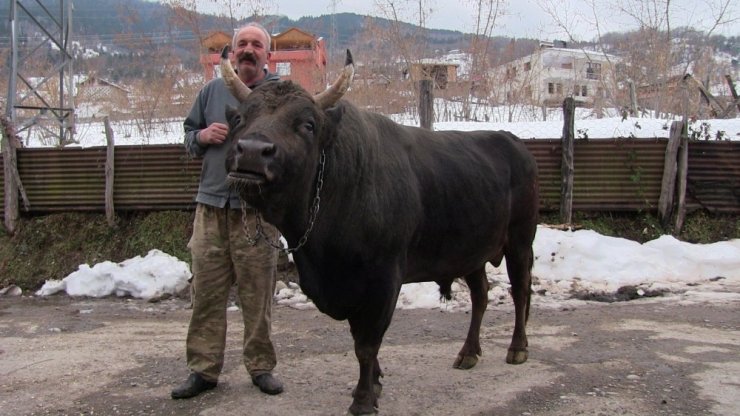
{"x":138,"y":28}
{"x":128,"y":26}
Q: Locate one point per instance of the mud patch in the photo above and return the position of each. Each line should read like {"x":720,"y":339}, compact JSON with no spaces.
{"x":623,"y":294}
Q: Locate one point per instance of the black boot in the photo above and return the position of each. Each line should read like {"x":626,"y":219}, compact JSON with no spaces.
{"x":268,"y":384}
{"x":193,"y":386}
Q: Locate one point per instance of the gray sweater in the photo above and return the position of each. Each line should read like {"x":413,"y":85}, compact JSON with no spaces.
{"x":209,"y":107}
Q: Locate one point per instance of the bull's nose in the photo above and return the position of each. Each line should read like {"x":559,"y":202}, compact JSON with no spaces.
{"x":255,"y":148}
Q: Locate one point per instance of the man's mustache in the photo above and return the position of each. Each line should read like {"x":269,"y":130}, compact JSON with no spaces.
{"x":247,"y":57}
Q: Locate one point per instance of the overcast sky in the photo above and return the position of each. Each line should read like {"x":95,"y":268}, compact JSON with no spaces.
{"x":522,"y":18}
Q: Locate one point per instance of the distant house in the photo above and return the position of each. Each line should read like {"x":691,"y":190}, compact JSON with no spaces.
{"x":650,"y":95}
{"x":441,"y":73}
{"x":102,"y":97}
{"x":301,"y":57}
{"x":554,"y":72}
{"x":212,"y":46}
{"x":296,"y":55}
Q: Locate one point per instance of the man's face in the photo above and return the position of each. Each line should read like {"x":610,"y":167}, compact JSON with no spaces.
{"x":250,"y":54}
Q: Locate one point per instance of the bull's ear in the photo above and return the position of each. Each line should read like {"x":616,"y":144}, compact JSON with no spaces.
{"x":335,"y":113}
{"x":334,"y":117}
{"x":232,"y":115}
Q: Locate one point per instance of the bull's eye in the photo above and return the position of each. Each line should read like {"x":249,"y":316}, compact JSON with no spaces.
{"x":235,"y":120}
{"x":309,"y":126}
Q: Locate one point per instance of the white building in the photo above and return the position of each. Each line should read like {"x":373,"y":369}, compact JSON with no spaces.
{"x":552,"y":73}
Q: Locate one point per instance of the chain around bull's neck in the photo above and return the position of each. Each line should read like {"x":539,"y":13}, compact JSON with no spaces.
{"x":313,"y":213}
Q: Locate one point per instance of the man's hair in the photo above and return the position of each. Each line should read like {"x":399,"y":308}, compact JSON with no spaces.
{"x":258,"y":26}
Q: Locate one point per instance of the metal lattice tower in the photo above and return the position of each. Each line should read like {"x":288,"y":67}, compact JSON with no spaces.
{"x":41,"y":78}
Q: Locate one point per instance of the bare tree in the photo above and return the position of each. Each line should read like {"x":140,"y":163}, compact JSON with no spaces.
{"x":407,"y":40}
{"x":386,"y":79}
{"x":486,"y":13}
{"x":657,"y":54}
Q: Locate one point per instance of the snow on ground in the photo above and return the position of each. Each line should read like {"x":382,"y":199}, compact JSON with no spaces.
{"x":568,"y":265}
{"x":528,"y":126}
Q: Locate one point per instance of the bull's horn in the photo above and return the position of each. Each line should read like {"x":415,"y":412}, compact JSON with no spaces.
{"x":331,"y":95}
{"x":236,"y":86}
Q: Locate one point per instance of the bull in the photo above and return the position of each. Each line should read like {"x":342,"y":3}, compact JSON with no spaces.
{"x":367,"y":205}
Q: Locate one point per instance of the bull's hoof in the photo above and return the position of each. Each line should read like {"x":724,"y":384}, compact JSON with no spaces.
{"x":377,"y":389}
{"x":357,"y":410}
{"x":465,"y":362}
{"x":516,"y":356}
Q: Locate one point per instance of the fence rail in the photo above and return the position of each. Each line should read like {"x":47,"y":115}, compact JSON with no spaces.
{"x":610,"y":175}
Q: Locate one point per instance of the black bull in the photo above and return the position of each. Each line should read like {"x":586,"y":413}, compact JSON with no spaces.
{"x":373,"y":205}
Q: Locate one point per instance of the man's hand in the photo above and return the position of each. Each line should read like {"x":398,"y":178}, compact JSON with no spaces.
{"x":213,"y":134}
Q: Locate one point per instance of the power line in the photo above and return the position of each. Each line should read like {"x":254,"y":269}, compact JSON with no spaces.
{"x":121,"y":39}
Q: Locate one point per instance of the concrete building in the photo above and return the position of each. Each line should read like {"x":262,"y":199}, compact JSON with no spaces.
{"x":554,"y":72}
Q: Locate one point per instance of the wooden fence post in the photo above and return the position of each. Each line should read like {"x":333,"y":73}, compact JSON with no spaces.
{"x":110,"y":212}
{"x":683,"y":169}
{"x":633,"y":99}
{"x":566,"y":165}
{"x":426,"y":104}
{"x":735,"y":98}
{"x":9,"y":143}
{"x":668,"y":185}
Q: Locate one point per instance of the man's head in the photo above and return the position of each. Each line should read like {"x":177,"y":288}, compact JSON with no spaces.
{"x":251,"y":46}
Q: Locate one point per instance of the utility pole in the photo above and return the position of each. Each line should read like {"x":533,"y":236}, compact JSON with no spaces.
{"x":333,"y":35}
{"x":40,"y":58}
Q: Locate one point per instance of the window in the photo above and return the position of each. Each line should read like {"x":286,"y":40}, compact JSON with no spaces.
{"x":282,"y":68}
{"x":527,"y":66}
{"x":576,"y":90}
{"x":553,"y":88}
{"x":584,"y":91}
{"x":566,"y":65}
{"x":593,"y":70}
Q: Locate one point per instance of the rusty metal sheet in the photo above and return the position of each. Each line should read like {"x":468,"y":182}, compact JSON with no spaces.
{"x":610,"y":175}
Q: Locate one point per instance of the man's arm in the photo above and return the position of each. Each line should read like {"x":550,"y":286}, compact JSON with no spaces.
{"x":194,"y":123}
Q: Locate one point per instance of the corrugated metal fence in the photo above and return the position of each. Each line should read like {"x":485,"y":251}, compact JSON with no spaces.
{"x":610,"y":175}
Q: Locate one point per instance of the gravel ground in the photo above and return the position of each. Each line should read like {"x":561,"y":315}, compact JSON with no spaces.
{"x":66,"y":356}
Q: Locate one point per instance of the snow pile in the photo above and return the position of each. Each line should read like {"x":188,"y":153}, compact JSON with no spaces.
{"x":148,"y":277}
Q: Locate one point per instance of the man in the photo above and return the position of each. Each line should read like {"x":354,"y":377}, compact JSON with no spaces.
{"x":221,"y":253}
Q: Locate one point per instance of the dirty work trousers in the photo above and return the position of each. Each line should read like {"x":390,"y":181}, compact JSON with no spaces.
{"x":221,"y":257}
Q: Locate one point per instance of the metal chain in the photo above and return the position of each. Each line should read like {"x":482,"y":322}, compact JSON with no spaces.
{"x":314,"y":212}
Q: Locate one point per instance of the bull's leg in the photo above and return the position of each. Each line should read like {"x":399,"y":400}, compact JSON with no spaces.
{"x":478,"y":285}
{"x":377,"y":374}
{"x":368,"y":327}
{"x":519,"y":265}
{"x":365,"y":400}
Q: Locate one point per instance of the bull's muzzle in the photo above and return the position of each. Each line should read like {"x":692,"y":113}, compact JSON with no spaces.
{"x":252,"y":161}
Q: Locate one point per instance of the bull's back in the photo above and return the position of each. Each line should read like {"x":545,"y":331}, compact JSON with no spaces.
{"x":474,"y":185}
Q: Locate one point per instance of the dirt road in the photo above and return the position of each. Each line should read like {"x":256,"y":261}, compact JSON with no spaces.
{"x":63,"y":356}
